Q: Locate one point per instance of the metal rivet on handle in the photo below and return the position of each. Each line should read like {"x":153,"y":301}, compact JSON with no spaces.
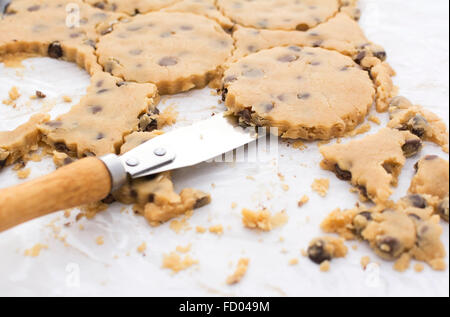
{"x":132,"y":162}
{"x":160,"y":151}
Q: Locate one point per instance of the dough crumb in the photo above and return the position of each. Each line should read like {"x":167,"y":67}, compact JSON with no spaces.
{"x":419,"y":267}
{"x":299,"y":145}
{"x":35,"y":250}
{"x":13,"y":96}
{"x":374,"y":119}
{"x":303,"y":201}
{"x":179,"y":225}
{"x":234,"y":205}
{"x":142,"y":248}
{"x":241,"y":269}
{"x":185,"y":249}
{"x":23,"y":173}
{"x":285,"y":187}
{"x":365,"y":261}
{"x":263,"y":220}
{"x":216,"y":229}
{"x":321,"y":186}
{"x":176,"y":263}
{"x":293,"y":261}
{"x":200,"y":229}
{"x":326,"y":248}
{"x":67,"y":99}
{"x":167,"y":117}
{"x":100,"y":240}
{"x":325,"y":266}
{"x":360,"y":130}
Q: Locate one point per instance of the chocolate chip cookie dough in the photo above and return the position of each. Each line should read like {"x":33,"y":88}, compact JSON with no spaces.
{"x":98,"y":125}
{"x":175,"y":51}
{"x":279,"y":14}
{"x":326,"y":248}
{"x":307,"y":93}
{"x":399,"y":233}
{"x":46,"y":28}
{"x":419,"y":121}
{"x":372,"y":164}
{"x":21,"y":141}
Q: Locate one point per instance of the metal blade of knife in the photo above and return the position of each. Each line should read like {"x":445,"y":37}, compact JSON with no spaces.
{"x":187,"y":146}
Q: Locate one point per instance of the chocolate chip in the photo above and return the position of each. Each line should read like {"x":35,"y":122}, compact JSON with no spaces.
{"x":418,"y":125}
{"x":102,"y":91}
{"x":366,"y":214}
{"x":360,"y":222}
{"x":317,"y":252}
{"x":90,"y":43}
{"x":133,"y":28}
{"x":55,"y":50}
{"x":389,"y":246}
{"x":88,"y":154}
{"x":295,"y":48}
{"x":253,"y":73}
{"x":414,"y":216}
{"x":251,"y":48}
{"x":99,"y":5}
{"x":203,"y":201}
{"x":147,"y":123}
{"x":186,"y":27}
{"x":120,"y":83}
{"x":3,"y":162}
{"x":95,"y":109}
{"x":40,"y":94}
{"x":381,"y":55}
{"x":443,"y":208}
{"x":361,"y":55}
{"x":417,"y":201}
{"x":106,"y":31}
{"x":315,"y":63}
{"x":267,"y":106}
{"x":100,"y":136}
{"x":54,"y":124}
{"x":304,"y":96}
{"x":135,"y":52}
{"x":246,"y":116}
{"x":168,"y":61}
{"x":430,"y":157}
{"x":34,"y":8}
{"x":317,"y":43}
{"x":61,"y":147}
{"x":287,"y":58}
{"x":99,"y":83}
{"x":411,"y":147}
{"x":5,"y":9}
{"x":342,"y":174}
{"x":109,"y":199}
{"x":302,"y":27}
{"x":74,"y":35}
{"x":224,"y":94}
{"x":229,"y":79}
{"x":68,"y":160}
{"x":151,"y":198}
{"x":389,"y":167}
{"x":363,"y":191}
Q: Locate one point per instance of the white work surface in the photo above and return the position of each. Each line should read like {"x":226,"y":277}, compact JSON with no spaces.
{"x":415,"y":35}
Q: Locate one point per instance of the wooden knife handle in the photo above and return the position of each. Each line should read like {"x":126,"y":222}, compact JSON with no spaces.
{"x":82,"y":182}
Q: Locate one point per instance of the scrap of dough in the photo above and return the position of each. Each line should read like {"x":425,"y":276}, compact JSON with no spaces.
{"x":15,"y":144}
{"x":98,"y":124}
{"x":240,"y":272}
{"x":377,"y":165}
{"x":432,"y":177}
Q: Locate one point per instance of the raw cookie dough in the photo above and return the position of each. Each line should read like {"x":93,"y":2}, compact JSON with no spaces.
{"x":38,"y":26}
{"x":154,"y":196}
{"x":175,"y":51}
{"x":406,"y":230}
{"x":279,"y":14}
{"x":340,"y":33}
{"x":373,"y":163}
{"x":19,"y":142}
{"x":307,"y":93}
{"x":98,"y":124}
{"x":326,"y":248}
{"x":419,"y":121}
{"x":432,"y":177}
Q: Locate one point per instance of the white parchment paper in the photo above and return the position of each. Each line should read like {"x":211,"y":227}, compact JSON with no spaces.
{"x":415,"y":35}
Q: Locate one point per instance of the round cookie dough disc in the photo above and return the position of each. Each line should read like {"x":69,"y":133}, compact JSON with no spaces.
{"x":308,"y":93}
{"x":279,"y":14}
{"x":175,"y":51}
